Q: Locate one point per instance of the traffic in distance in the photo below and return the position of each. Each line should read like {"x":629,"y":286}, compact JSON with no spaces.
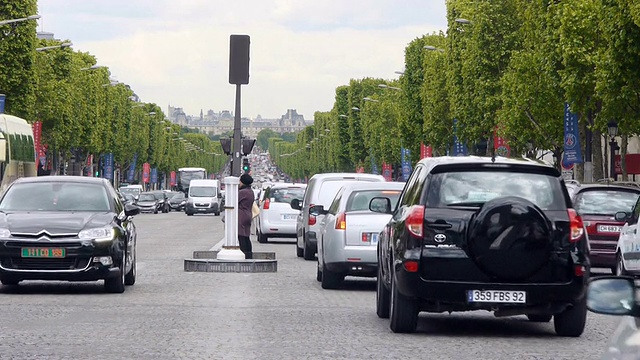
{"x":502,"y":235}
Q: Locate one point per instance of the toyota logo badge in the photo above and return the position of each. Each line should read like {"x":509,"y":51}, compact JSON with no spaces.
{"x":440,"y":238}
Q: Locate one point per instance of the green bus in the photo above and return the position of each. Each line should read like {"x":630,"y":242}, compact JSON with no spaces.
{"x":17,"y":150}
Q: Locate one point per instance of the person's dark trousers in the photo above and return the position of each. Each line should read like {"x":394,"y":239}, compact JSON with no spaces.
{"x":245,"y":246}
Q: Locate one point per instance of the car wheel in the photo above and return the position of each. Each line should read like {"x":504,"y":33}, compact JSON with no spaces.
{"x":155,"y":211}
{"x":571,"y":321}
{"x":116,"y":284}
{"x":383,"y":297}
{"x":539,"y":317}
{"x":189,"y":214}
{"x":217,"y":213}
{"x":330,"y":279}
{"x":262,"y":238}
{"x":8,"y":282}
{"x":130,"y":277}
{"x":318,"y":272}
{"x":403,"y":313}
{"x":619,"y":269}
{"x":299,"y":251}
{"x":307,"y":252}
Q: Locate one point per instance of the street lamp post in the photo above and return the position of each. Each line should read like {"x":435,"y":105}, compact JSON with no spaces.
{"x":612,"y":129}
{"x":63,"y":45}
{"x":12,"y":21}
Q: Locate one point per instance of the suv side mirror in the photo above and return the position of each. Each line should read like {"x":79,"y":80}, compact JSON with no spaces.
{"x":621,"y":216}
{"x":612,"y":295}
{"x":131,"y":210}
{"x":317,"y":210}
{"x":380,"y":205}
{"x":295,"y":204}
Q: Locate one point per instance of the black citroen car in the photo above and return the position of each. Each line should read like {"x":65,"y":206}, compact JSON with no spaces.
{"x":474,"y":233}
{"x":69,"y":228}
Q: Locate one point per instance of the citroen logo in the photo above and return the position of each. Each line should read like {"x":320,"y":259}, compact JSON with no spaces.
{"x":440,"y":238}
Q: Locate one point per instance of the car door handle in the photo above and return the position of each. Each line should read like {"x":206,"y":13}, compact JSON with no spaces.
{"x":440,"y":225}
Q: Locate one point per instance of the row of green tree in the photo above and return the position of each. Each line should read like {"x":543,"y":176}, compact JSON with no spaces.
{"x":82,"y":110}
{"x":509,"y":65}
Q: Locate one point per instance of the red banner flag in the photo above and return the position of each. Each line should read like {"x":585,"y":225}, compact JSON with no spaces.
{"x":425,"y":151}
{"x":146,"y":172}
{"x":172,"y":177}
{"x":360,"y":170}
{"x":500,"y":145}
{"x":386,"y":171}
{"x":37,"y":142}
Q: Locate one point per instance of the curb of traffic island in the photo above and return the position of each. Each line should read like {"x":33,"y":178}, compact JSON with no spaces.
{"x":207,"y":261}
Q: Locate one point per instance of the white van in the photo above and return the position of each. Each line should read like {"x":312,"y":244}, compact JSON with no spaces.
{"x":204,"y":197}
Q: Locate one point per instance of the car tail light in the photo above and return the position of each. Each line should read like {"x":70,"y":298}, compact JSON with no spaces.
{"x":341,"y":221}
{"x":312,"y":218}
{"x":576,"y":226}
{"x":415,"y":221}
{"x":265,"y":206}
{"x":411,"y":266}
{"x":579,"y":270}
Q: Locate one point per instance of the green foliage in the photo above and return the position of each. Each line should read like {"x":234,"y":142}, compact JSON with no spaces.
{"x":262,"y":140}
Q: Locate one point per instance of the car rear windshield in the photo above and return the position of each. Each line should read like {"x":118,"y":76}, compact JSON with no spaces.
{"x":147,"y":197}
{"x":359,"y":200}
{"x":56,"y":196}
{"x":286,"y":195}
{"x":604,"y":201}
{"x":474,"y":188}
{"x":329,"y":189}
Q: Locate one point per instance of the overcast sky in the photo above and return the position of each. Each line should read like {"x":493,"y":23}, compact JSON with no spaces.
{"x":177,"y":52}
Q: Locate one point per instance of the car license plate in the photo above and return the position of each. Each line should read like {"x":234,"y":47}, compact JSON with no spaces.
{"x":497,"y":296}
{"x":609,"y":228}
{"x":43,"y":253}
{"x":289,"y":217}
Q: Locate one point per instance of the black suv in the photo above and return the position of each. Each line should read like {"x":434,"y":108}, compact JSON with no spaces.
{"x":474,"y":233}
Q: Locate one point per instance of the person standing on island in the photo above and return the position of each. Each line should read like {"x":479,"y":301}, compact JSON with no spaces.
{"x":245,"y":203}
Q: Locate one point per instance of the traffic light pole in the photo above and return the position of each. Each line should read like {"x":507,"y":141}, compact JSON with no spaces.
{"x":236,"y":154}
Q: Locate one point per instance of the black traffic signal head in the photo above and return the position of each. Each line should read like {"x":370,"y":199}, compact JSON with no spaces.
{"x":246,"y":167}
{"x":247,"y":145}
{"x":226,"y":145}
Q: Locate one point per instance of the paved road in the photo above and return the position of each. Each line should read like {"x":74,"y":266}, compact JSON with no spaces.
{"x":171,"y":314}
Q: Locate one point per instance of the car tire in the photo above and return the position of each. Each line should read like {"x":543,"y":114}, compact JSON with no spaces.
{"x":217,"y":213}
{"x":299,"y":251}
{"x":539,"y":317}
{"x":318,"y":272}
{"x":115,"y":285}
{"x":8,"y":282}
{"x":262,"y":238}
{"x":330,"y":279}
{"x":571,"y":322}
{"x":307,"y":252}
{"x":619,"y":269}
{"x":403,"y":312}
{"x":155,"y":211}
{"x":189,"y":214}
{"x":130,"y":277}
{"x":383,"y":297}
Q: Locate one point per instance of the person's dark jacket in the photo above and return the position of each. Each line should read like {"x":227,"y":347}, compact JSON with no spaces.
{"x":245,"y":203}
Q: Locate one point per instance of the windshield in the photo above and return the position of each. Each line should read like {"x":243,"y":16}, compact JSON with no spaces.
{"x":178,"y":196}
{"x":360,"y":200}
{"x":56,"y":196}
{"x":128,"y":190}
{"x":147,"y":197}
{"x":478,"y":187}
{"x":286,"y":195}
{"x":187,"y":176}
{"x":203,"y":191}
{"x":604,"y":202}
{"x":329,"y":189}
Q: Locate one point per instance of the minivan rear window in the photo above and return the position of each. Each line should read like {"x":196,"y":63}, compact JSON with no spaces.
{"x":474,"y":188}
{"x":329,"y":189}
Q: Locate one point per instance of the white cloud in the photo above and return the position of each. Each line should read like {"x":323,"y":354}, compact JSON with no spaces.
{"x":177,"y":52}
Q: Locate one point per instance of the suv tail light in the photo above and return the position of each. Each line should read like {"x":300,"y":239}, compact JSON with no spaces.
{"x":341,"y":221}
{"x":415,"y":221}
{"x":576,"y":226}
{"x":265,"y":206}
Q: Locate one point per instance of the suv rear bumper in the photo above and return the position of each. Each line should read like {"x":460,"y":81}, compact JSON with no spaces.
{"x":439,"y":296}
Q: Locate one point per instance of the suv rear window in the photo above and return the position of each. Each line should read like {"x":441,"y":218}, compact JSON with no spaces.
{"x":329,"y":189}
{"x":359,"y":200}
{"x":604,"y":201}
{"x":286,"y":195}
{"x":478,"y":187}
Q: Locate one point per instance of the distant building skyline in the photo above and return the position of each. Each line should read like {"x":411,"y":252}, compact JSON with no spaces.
{"x":217,"y":123}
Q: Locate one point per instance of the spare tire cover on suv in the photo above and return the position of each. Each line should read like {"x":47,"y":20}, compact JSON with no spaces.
{"x":509,"y":238}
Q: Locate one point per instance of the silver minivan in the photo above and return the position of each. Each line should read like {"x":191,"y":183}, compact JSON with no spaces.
{"x":321,"y":190}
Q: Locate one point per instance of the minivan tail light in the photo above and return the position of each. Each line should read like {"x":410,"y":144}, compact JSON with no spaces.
{"x":341,"y":221}
{"x":576,"y":226}
{"x":265,"y":206}
{"x":312,"y":218}
{"x":415,"y":221}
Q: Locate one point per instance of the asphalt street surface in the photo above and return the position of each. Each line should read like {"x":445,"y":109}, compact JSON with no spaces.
{"x":172,"y":314}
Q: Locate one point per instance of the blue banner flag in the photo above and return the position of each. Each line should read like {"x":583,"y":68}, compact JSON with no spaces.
{"x":154,"y":175}
{"x":572,"y":151}
{"x":459,"y":149}
{"x":3,"y":97}
{"x":374,"y":167}
{"x":131,"y":174}
{"x":107,"y":166}
{"x":406,"y":163}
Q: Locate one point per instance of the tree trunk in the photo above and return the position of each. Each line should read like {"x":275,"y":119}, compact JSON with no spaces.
{"x":598,"y":166}
{"x":605,"y":158}
{"x":624,"y":143}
